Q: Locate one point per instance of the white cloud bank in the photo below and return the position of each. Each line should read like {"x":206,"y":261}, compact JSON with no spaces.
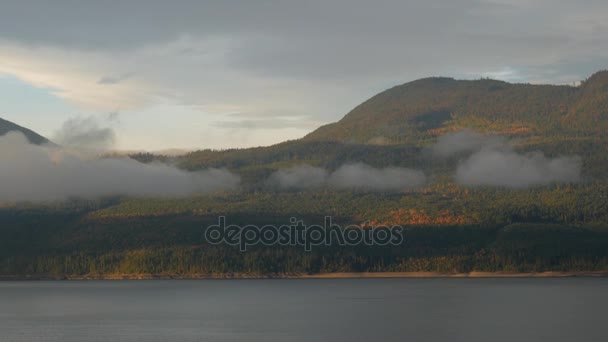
{"x":493,"y":162}
{"x":463,"y":141}
{"x":352,"y":176}
{"x":510,"y":169}
{"x":44,"y":173}
{"x":299,"y":177}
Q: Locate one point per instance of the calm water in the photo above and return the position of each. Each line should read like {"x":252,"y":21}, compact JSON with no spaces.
{"x":307,"y":310}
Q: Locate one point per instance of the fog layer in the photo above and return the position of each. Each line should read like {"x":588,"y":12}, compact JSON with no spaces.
{"x":492,"y":161}
{"x":40,"y":173}
{"x":350,"y":176}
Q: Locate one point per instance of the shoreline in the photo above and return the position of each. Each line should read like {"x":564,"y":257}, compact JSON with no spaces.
{"x":336,"y":275}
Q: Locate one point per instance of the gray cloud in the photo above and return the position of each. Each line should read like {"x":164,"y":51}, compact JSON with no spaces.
{"x":385,"y":37}
{"x":85,"y":133}
{"x":463,"y":141}
{"x":314,"y":59}
{"x":109,"y":80}
{"x":510,"y":169}
{"x":299,"y":177}
{"x":490,"y":160}
{"x":361,"y":176}
{"x":113,"y":116}
{"x":44,"y":173}
{"x":352,"y":176}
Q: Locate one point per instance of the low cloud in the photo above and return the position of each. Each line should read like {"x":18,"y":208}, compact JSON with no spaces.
{"x":464,"y":141}
{"x":85,"y":133}
{"x":352,"y":176}
{"x":492,"y":161}
{"x":299,"y":177}
{"x":44,"y":173}
{"x":363,"y":176}
{"x":510,"y":169}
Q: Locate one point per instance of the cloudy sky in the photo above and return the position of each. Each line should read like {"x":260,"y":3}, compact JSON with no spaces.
{"x":214,"y":74}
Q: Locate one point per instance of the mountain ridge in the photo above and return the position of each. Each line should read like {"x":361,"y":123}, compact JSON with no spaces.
{"x":410,"y":111}
{"x":393,"y":127}
{"x":33,"y":137}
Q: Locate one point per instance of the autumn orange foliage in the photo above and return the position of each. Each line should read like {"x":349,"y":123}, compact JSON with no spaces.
{"x":413,"y":216}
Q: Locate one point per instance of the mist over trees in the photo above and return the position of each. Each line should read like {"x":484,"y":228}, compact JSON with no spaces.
{"x":485,"y":176}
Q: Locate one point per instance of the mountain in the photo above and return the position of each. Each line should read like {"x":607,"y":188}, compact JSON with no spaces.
{"x":392,"y":127}
{"x":427,"y":107}
{"x":450,"y":227}
{"x":33,"y":137}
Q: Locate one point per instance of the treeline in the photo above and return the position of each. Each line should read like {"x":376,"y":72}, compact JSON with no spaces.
{"x":562,"y":203}
{"x":516,"y":248}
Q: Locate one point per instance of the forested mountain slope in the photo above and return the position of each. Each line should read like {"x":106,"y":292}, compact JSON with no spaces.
{"x":411,"y":112}
{"x":450,"y":227}
{"x":395,"y":126}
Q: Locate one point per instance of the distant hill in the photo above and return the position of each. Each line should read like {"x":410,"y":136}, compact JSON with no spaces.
{"x":391,"y":128}
{"x":33,"y":137}
{"x":428,"y":107}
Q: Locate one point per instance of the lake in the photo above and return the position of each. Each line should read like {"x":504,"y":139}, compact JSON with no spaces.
{"x":489,"y":310}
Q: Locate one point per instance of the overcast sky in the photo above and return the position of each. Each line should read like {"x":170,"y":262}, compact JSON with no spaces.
{"x":214,"y":74}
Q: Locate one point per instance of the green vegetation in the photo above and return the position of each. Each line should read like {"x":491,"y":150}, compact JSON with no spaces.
{"x":450,"y":228}
{"x":561,"y":228}
{"x":409,"y":112}
{"x":394,"y":127}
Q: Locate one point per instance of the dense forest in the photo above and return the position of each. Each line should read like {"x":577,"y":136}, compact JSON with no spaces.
{"x":562,"y":228}
{"x":449,"y":227}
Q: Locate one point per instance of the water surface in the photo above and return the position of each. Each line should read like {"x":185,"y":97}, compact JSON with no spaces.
{"x":306,"y":310}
